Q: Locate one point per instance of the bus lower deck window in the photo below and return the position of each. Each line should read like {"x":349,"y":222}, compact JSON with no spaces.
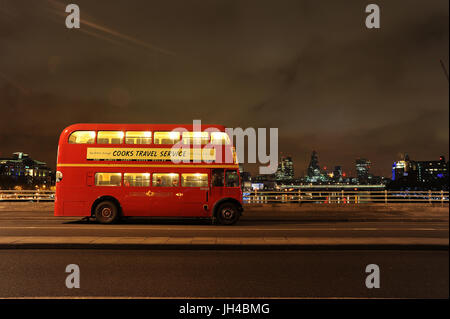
{"x":231,"y":179}
{"x":108,"y":179}
{"x":194,"y":180}
{"x":165,"y":180}
{"x":217,"y":177}
{"x":136,"y":179}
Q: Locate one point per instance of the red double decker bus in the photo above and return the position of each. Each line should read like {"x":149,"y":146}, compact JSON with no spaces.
{"x":111,"y":171}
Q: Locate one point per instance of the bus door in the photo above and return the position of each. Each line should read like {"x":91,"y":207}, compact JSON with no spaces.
{"x":195,"y":194}
{"x":232,"y":186}
{"x":224,"y":183}
{"x":217,"y":185}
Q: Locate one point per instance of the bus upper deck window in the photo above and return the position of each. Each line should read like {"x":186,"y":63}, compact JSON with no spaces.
{"x":135,"y":137}
{"x":196,"y":138}
{"x":166,"y":137}
{"x":82,"y":137}
{"x":220,"y":138}
{"x":232,"y":179}
{"x":110,"y":137}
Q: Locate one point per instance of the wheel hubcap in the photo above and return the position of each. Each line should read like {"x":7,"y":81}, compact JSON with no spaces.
{"x":227,"y":213}
{"x":106,"y":212}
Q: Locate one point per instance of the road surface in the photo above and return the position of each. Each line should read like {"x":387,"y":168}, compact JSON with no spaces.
{"x":407,"y":271}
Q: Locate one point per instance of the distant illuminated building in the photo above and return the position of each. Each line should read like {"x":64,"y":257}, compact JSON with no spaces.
{"x":362,"y":170}
{"x":422,"y":172}
{"x":405,"y":170}
{"x":285,"y":169}
{"x":246,"y":177}
{"x":337,"y":174}
{"x":432,"y":171}
{"x":314,"y":173}
{"x":24,"y":171}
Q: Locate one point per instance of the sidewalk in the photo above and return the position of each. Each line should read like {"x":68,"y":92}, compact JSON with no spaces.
{"x":238,"y":243}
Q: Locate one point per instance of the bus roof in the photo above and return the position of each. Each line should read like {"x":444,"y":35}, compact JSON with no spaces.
{"x":137,"y":127}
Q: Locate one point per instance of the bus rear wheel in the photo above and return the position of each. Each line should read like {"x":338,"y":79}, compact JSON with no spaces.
{"x":227,"y":214}
{"x":106,"y":212}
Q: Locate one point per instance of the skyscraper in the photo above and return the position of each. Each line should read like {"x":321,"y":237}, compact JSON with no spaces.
{"x":362,"y":170}
{"x":337,"y":174}
{"x":285,"y":169}
{"x":314,"y":173}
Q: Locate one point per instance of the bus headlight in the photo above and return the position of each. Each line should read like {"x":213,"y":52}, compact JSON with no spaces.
{"x":59,"y":176}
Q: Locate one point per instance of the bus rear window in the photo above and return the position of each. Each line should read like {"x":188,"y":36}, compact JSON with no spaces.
{"x":108,"y":179}
{"x":138,"y":137}
{"x":136,"y":179}
{"x":167,"y":137}
{"x":110,"y":137}
{"x":194,"y":180}
{"x":165,"y":180}
{"x":82,"y":137}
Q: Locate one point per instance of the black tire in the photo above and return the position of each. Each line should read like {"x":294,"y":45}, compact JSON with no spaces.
{"x":227,"y":214}
{"x":106,"y":212}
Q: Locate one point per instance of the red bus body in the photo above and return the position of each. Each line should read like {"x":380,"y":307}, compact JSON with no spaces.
{"x":78,"y":191}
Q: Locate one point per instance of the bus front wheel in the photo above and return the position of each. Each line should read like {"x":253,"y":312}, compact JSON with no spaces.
{"x":106,"y":212}
{"x":227,"y":214}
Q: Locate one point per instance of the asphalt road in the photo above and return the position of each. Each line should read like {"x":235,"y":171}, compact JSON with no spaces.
{"x":44,"y":224}
{"x":245,"y":274}
{"x":335,"y":273}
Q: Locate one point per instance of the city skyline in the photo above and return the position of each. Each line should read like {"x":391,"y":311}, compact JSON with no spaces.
{"x":286,"y":166}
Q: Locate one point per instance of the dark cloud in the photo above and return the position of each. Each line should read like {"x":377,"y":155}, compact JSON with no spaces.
{"x":310,"y":68}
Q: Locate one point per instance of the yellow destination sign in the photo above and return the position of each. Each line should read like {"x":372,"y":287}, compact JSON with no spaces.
{"x":150,"y":154}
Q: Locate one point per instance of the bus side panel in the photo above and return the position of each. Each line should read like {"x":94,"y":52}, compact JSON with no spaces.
{"x":76,"y":208}
{"x":58,"y":205}
{"x":71,"y":194}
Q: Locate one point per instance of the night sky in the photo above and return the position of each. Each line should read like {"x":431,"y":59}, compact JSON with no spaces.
{"x":310,"y":68}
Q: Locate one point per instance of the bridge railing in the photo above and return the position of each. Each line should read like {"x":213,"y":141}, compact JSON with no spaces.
{"x":345,"y":197}
{"x":27,"y":195}
{"x":273,"y":197}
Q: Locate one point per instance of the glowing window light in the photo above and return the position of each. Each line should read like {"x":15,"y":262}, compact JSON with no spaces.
{"x":167,"y":137}
{"x":138,"y":137}
{"x":220,"y":138}
{"x":110,"y":137}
